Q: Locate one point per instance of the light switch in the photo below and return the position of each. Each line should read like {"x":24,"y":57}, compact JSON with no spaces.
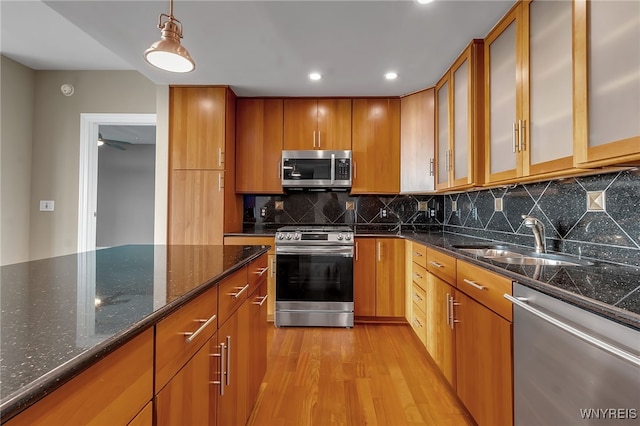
{"x":47,"y":205}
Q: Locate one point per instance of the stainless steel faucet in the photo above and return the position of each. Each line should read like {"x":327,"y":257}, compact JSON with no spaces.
{"x":538,"y":232}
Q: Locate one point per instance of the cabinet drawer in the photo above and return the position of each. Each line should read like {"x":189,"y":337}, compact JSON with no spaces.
{"x":232,"y":291}
{"x":486,"y":287}
{"x":419,"y":297}
{"x":257,"y":273}
{"x":442,"y":265}
{"x":173,"y":349}
{"x":419,"y":323}
{"x":419,"y":275}
{"x":111,"y":392}
{"x":419,"y":254}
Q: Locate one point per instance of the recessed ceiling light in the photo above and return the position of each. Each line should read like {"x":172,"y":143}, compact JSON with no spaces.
{"x":424,"y":1}
{"x":315,"y":76}
{"x":391,"y":75}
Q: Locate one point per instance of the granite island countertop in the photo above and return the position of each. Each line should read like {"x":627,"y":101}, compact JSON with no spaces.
{"x":61,"y":315}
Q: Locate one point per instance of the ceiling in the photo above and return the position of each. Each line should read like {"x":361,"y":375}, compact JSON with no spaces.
{"x":259,"y":48}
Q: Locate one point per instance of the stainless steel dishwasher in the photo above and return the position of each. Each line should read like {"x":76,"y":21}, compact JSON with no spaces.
{"x":572,"y":367}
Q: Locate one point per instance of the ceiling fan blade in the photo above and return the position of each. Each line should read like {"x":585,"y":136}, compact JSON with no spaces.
{"x":113,"y":141}
{"x":115,"y":144}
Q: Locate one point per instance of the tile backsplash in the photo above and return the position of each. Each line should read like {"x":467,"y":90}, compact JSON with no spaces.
{"x":594,"y":216}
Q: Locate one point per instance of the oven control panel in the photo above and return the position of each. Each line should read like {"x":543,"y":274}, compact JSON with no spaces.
{"x":311,"y":238}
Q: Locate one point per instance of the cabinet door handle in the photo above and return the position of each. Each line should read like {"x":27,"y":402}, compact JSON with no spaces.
{"x":261,"y":271}
{"x":220,"y":160}
{"x":431,"y":164}
{"x":379,"y":251}
{"x":357,"y":250}
{"x":355,"y":169}
{"x":415,"y":253}
{"x":522,"y":303}
{"x":436,"y":264}
{"x":239,"y":292}
{"x":314,"y":138}
{"x":514,"y":137}
{"x":262,"y":300}
{"x":521,"y":141}
{"x":220,"y":182}
{"x":474,"y":284}
{"x":273,"y":268}
{"x":417,"y":297}
{"x":279,"y":170}
{"x":222,"y":366}
{"x":228,"y":369}
{"x":417,"y":275}
{"x":191,"y":336}
{"x":416,"y":322}
{"x":319,"y":140}
{"x":451,"y":159}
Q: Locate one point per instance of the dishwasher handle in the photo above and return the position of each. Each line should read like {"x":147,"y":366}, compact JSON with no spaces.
{"x":521,"y":303}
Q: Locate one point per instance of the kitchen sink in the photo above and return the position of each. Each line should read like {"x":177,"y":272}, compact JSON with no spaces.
{"x":513,"y":256}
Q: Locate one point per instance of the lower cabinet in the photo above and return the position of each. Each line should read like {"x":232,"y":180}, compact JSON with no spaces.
{"x":484,"y":364}
{"x":440,"y":329}
{"x":378,"y":274}
{"x":258,"y":330}
{"x":190,"y":397}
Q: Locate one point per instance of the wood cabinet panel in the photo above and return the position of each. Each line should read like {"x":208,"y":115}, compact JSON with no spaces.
{"x":484,"y":364}
{"x":300,"y":124}
{"x":390,"y":277}
{"x":258,"y":329}
{"x":417,"y":139}
{"x":376,"y":146}
{"x":144,"y":417}
{"x":189,"y":398}
{"x":197,"y":127}
{"x":259,"y":142}
{"x":196,"y":207}
{"x":334,"y":124}
{"x":232,"y":292}
{"x":172,"y":348}
{"x":364,"y":277}
{"x":442,"y":265}
{"x":491,"y":291}
{"x":257,"y":272}
{"x":440,"y":334}
{"x":317,"y":124}
{"x":419,"y":323}
{"x":419,"y":275}
{"x":419,"y":254}
{"x":113,"y":391}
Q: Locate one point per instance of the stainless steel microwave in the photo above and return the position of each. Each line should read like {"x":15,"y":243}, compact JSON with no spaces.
{"x":316,"y":169}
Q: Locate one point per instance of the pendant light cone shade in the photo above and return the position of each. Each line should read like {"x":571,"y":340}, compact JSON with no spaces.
{"x":168,"y":53}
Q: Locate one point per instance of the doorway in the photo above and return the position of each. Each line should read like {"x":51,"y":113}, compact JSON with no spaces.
{"x":120,"y":135}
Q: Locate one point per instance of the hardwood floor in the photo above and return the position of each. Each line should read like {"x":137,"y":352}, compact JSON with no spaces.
{"x":370,"y":375}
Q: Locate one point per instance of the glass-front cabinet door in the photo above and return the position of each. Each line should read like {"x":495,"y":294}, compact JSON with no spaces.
{"x":607,"y":77}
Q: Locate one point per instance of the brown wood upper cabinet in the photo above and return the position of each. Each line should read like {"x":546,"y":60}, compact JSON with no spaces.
{"x":417,"y":161}
{"x":528,"y":92}
{"x":607,"y":83}
{"x":259,"y":135}
{"x":317,"y":124}
{"x":197,"y":126}
{"x":376,"y":146}
{"x":459,"y":121}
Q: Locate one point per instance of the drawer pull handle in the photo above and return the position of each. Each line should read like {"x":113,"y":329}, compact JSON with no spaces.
{"x":474,"y":284}
{"x":262,"y":299}
{"x":417,"y":275}
{"x":222,"y":372}
{"x":416,"y":322}
{"x":417,"y":297}
{"x":228,"y":368}
{"x":262,"y":271}
{"x":240,"y":291}
{"x":191,"y":336}
{"x":436,"y":264}
{"x":415,"y":253}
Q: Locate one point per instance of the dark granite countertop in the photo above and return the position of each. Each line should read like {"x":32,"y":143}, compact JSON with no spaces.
{"x":62,"y":314}
{"x":609,"y":290}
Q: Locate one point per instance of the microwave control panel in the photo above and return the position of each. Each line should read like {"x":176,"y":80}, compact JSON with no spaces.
{"x":343,"y":169}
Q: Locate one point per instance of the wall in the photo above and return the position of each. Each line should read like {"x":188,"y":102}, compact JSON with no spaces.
{"x":56,"y":142}
{"x":16,"y":115}
{"x":611,"y":233}
{"x":126,"y":186}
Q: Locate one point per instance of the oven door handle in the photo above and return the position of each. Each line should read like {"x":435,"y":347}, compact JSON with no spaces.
{"x":323,"y":250}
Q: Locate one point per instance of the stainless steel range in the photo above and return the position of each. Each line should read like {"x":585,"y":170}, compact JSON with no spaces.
{"x":314,"y":276}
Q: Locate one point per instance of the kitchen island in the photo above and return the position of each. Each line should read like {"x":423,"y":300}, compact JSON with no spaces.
{"x":62,"y":315}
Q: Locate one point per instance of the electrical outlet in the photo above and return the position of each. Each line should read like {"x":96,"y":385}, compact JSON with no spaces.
{"x":454,"y":205}
{"x":432,"y":212}
{"x":422,"y":206}
{"x":383,"y":213}
{"x":263,"y":212}
{"x":498,"y":204}
{"x":47,"y":205}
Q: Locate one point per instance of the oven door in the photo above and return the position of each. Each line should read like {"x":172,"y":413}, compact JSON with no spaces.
{"x":314,"y":274}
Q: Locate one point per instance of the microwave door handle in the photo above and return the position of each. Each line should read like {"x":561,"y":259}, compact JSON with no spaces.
{"x":333,"y":168}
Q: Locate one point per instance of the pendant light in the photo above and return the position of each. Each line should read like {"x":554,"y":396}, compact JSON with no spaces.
{"x":167,"y":53}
